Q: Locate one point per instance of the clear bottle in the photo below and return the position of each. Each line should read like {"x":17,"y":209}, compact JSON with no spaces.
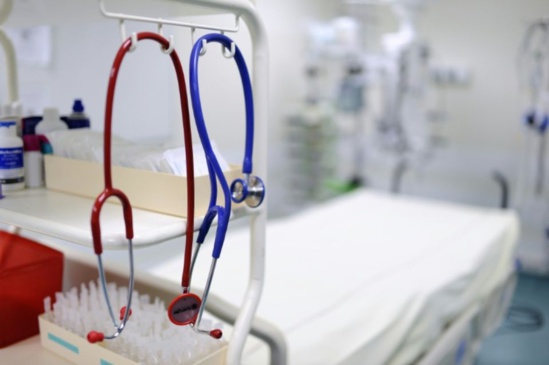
{"x":12,"y":172}
{"x":50,"y":122}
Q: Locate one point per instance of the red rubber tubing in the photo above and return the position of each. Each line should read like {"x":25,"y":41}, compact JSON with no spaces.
{"x":109,"y":190}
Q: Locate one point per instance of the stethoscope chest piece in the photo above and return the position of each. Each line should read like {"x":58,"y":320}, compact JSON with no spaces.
{"x":183,"y":310}
{"x":252,"y":192}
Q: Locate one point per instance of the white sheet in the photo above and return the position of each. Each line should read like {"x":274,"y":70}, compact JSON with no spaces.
{"x":368,"y":278}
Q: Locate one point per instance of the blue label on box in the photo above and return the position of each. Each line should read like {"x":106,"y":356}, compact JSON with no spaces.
{"x":11,"y":158}
{"x":58,"y":340}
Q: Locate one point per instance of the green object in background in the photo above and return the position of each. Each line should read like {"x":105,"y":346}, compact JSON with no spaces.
{"x":342,"y":187}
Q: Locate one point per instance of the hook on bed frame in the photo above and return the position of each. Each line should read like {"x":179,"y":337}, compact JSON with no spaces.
{"x":160,"y":21}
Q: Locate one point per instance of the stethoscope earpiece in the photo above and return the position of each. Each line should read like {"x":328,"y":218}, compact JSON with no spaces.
{"x":94,"y":336}
{"x":216,"y":333}
{"x":123,"y":313}
{"x":239,"y":190}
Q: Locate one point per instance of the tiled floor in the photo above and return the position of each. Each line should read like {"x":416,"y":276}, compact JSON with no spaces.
{"x":523,"y":339}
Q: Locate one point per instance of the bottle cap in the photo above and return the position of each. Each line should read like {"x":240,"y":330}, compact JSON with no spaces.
{"x":78,"y":106}
{"x":29,"y":123}
{"x":47,"y":149}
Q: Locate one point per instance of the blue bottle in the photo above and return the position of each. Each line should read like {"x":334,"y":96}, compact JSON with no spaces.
{"x":77,"y":119}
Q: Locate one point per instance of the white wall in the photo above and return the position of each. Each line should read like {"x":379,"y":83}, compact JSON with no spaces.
{"x":483,"y":36}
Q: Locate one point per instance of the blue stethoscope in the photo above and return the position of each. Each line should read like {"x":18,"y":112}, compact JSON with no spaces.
{"x":250,"y":189}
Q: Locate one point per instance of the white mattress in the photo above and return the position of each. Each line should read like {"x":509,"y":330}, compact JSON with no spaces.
{"x":368,"y":278}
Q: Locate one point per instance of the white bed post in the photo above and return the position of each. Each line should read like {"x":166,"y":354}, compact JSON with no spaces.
{"x":260,"y":79}
{"x":9,"y":50}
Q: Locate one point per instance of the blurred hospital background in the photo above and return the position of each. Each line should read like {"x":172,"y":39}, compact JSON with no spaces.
{"x":442,"y":100}
{"x":422,"y":98}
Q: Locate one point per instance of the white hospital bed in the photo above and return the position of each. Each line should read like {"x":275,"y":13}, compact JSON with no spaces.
{"x":368,"y":278}
{"x":372,"y":278}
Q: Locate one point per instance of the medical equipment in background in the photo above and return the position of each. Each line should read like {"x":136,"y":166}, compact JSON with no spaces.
{"x":251,"y":189}
{"x":406,"y":127}
{"x":351,"y":104}
{"x":324,"y":130}
{"x":532,"y":194}
{"x":533,"y":64}
{"x":350,"y":99}
{"x":110,"y":191}
{"x":398,"y":129}
{"x":310,"y":145}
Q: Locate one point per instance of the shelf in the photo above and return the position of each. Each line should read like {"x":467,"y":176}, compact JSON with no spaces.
{"x":67,"y":217}
{"x":28,"y":13}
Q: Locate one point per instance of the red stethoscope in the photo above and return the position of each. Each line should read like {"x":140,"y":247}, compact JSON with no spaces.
{"x":187,"y":303}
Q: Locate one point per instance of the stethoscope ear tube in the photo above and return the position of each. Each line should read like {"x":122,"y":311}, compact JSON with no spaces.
{"x":214,"y":169}
{"x":247,"y":164}
{"x":222,"y":225}
{"x":220,"y":230}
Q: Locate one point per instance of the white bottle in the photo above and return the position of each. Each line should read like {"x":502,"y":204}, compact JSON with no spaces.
{"x":50,"y":122}
{"x":33,"y":160}
{"x":12,"y":173}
